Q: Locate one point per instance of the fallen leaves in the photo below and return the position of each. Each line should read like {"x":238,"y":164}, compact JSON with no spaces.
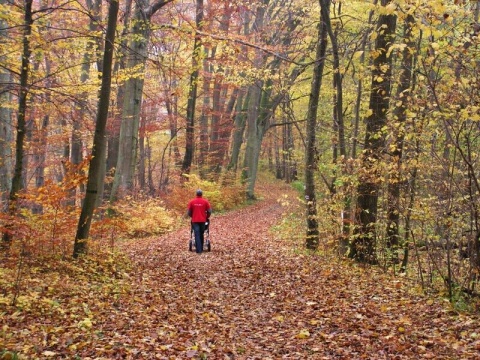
{"x":250,"y":298}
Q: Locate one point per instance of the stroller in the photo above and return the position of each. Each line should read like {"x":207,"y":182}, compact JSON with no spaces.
{"x":206,"y":237}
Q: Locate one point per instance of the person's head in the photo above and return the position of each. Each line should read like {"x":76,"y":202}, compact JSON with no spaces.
{"x":199,"y":192}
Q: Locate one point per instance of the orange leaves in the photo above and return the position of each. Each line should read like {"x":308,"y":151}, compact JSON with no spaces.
{"x":250,"y":298}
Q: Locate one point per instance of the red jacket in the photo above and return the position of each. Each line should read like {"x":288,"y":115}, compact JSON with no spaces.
{"x":199,"y":209}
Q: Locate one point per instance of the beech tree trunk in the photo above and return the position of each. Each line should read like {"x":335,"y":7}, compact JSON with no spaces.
{"x":240,"y":121}
{"x":115,"y":123}
{"x":221,"y":108}
{"x":40,"y":150}
{"x":312,"y":235}
{"x":359,"y":94}
{"x":81,"y":111}
{"x":263,"y":100}
{"x":363,"y":247}
{"x":5,"y":120}
{"x":205,"y":113}
{"x":132,"y":100}
{"x":399,"y":118}
{"x":17,"y":180}
{"x":99,"y":141}
{"x":192,"y":94}
{"x":256,"y":128}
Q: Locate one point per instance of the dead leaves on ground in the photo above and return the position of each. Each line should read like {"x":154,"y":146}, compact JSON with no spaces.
{"x":250,"y":298}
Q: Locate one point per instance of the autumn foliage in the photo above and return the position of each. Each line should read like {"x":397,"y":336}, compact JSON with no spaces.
{"x":255,"y":296}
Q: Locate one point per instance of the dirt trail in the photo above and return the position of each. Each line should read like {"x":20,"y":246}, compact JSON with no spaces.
{"x":253,"y":298}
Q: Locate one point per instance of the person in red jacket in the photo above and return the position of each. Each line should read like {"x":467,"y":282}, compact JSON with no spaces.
{"x":199,"y":210}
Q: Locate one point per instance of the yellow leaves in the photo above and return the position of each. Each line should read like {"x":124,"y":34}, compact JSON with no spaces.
{"x":210,"y":316}
{"x":358,"y":54}
{"x":471,"y":113}
{"x":139,"y":218}
{"x":384,"y":308}
{"x":390,"y":8}
{"x":85,"y":324}
{"x":393,"y":47}
{"x":49,"y":353}
{"x":303,"y":334}
{"x":435,"y":46}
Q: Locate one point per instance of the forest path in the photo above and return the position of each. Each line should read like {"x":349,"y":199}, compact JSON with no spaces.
{"x":252,"y":297}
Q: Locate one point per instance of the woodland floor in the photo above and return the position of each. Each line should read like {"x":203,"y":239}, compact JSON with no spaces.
{"x":251,"y":297}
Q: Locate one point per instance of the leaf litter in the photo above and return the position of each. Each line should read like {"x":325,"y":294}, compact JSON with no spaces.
{"x":251,"y":297}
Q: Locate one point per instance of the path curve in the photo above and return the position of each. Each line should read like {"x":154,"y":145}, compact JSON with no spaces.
{"x":254,"y":298}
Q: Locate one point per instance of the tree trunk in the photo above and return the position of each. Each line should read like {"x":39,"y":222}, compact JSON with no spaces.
{"x":339,"y":146}
{"x":312,"y":235}
{"x":132,"y":101}
{"x":337,"y":79}
{"x":399,"y":118}
{"x":221,"y":127}
{"x":192,"y":94}
{"x":5,"y":121}
{"x":142,"y":154}
{"x":17,"y":180}
{"x":242,"y":104}
{"x":252,"y":150}
{"x":40,"y":150}
{"x":99,"y":140}
{"x":363,"y":247}
{"x":205,"y":113}
{"x":240,"y":121}
{"x":264,"y":103}
{"x":359,"y":94}
{"x":115,"y":123}
{"x":279,"y":168}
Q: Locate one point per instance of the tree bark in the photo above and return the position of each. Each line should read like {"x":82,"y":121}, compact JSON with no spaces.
{"x":205,"y":113}
{"x":115,"y":124}
{"x":240,"y":121}
{"x":363,"y":247}
{"x":132,"y":101}
{"x":399,"y":118}
{"x":17,"y":180}
{"x":192,"y":94}
{"x":252,"y":149}
{"x":5,"y":120}
{"x":312,"y":234}
{"x":99,"y":140}
{"x":263,"y":102}
{"x":358,"y":100}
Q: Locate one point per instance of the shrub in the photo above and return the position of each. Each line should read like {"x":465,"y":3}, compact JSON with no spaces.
{"x":220,"y":197}
{"x":146,"y":217}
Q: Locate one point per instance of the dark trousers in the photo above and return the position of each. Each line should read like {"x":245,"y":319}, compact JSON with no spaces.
{"x":199,"y":230}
